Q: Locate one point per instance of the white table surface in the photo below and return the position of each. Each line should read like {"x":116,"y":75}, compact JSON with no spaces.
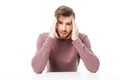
{"x":65,"y":76}
{"x":57,"y":76}
{"x":72,"y":76}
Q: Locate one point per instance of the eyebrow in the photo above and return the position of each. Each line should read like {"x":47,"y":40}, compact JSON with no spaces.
{"x":66,"y":22}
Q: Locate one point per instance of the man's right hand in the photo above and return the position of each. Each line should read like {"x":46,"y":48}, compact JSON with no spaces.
{"x":53,"y":29}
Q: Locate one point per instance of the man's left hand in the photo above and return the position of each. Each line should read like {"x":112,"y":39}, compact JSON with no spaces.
{"x":75,"y":30}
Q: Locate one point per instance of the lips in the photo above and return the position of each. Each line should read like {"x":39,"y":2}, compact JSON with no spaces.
{"x":63,"y":32}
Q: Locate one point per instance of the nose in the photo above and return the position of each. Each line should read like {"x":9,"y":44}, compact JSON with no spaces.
{"x":63,"y":27}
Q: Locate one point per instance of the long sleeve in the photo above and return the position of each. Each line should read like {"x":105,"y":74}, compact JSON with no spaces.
{"x":44,"y":47}
{"x":84,"y":49}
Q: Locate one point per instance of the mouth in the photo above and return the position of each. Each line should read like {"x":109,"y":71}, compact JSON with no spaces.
{"x":63,"y":32}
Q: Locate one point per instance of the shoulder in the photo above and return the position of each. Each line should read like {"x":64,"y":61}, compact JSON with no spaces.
{"x":43,"y":35}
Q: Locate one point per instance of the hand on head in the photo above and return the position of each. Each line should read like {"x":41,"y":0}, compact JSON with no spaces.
{"x":74,"y":34}
{"x":75,"y":30}
{"x":53,"y":29}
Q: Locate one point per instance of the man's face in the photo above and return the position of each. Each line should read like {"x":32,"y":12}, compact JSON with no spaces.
{"x":64,"y":27}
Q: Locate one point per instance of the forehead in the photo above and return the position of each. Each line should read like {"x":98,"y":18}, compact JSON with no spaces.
{"x":65,"y":19}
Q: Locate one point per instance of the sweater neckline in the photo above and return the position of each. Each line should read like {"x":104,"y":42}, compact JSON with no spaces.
{"x":63,"y":41}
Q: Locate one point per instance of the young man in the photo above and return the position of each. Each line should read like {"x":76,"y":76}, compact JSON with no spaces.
{"x":62,"y":48}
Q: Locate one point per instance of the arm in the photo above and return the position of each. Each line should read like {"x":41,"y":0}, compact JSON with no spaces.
{"x":44,"y":47}
{"x":84,"y":49}
{"x":41,"y":57}
{"x":82,"y":45}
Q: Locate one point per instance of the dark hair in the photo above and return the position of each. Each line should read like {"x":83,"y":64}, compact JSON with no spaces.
{"x":64,"y":11}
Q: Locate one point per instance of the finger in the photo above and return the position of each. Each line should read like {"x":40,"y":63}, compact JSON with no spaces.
{"x":55,"y":20}
{"x":73,"y":22}
{"x":53,"y":24}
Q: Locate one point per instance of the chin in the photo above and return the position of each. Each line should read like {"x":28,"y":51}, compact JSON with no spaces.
{"x":65,"y":37}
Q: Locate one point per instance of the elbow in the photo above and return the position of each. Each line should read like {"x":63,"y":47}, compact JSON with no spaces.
{"x":95,"y":67}
{"x":93,"y":70}
{"x":35,"y":67}
{"x":37,"y":71}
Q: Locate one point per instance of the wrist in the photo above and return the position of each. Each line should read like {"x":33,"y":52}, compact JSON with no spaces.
{"x":51,"y":36}
{"x":75,"y":38}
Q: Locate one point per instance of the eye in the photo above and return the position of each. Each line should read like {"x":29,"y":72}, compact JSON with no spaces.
{"x":59,"y":22}
{"x":68,"y":23}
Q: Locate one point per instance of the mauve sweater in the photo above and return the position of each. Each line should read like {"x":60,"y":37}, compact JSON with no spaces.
{"x":63,"y":55}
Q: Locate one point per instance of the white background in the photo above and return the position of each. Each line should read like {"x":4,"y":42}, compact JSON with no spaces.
{"x":21,"y":21}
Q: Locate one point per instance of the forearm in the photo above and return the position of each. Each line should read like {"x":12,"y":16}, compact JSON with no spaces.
{"x":90,"y":60}
{"x":40,"y":60}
